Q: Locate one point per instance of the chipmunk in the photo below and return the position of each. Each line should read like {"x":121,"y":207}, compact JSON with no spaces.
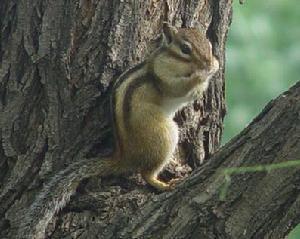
{"x":144,"y":101}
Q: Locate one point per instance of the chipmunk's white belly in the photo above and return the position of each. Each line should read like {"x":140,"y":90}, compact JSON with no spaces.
{"x":173,"y":134}
{"x":171,"y":105}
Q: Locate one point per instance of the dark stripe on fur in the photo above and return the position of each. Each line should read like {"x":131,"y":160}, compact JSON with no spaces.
{"x":117,"y":83}
{"x":126,"y":75}
{"x":127,"y":106}
{"x":175,"y":55}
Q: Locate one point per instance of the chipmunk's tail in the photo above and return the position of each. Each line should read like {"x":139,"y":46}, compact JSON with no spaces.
{"x":56,"y":194}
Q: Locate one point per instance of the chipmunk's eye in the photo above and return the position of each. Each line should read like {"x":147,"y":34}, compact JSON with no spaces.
{"x":185,"y":49}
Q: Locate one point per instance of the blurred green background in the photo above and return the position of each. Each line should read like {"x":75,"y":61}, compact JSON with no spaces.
{"x":263,"y":58}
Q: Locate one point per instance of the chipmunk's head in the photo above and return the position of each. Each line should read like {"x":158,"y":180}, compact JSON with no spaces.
{"x":185,"y":54}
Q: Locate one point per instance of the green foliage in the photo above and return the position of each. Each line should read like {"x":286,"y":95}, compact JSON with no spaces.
{"x":227,"y":172}
{"x":263,"y":58}
{"x":295,"y":234}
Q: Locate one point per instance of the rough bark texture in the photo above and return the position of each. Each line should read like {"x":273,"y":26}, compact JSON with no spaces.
{"x":258,"y":205}
{"x":58,"y":59}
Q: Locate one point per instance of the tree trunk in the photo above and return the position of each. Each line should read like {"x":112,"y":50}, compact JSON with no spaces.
{"x":58,"y":59}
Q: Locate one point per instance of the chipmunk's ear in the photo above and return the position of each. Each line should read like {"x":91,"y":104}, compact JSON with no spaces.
{"x":200,"y":27}
{"x":168,"y":33}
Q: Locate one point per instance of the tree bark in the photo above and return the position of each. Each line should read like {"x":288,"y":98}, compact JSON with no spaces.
{"x":58,"y":59}
{"x":258,"y":205}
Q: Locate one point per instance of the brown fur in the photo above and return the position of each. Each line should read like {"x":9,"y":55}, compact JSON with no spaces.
{"x":149,"y":96}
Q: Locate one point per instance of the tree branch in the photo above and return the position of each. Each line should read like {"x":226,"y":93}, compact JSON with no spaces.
{"x":259,"y":204}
